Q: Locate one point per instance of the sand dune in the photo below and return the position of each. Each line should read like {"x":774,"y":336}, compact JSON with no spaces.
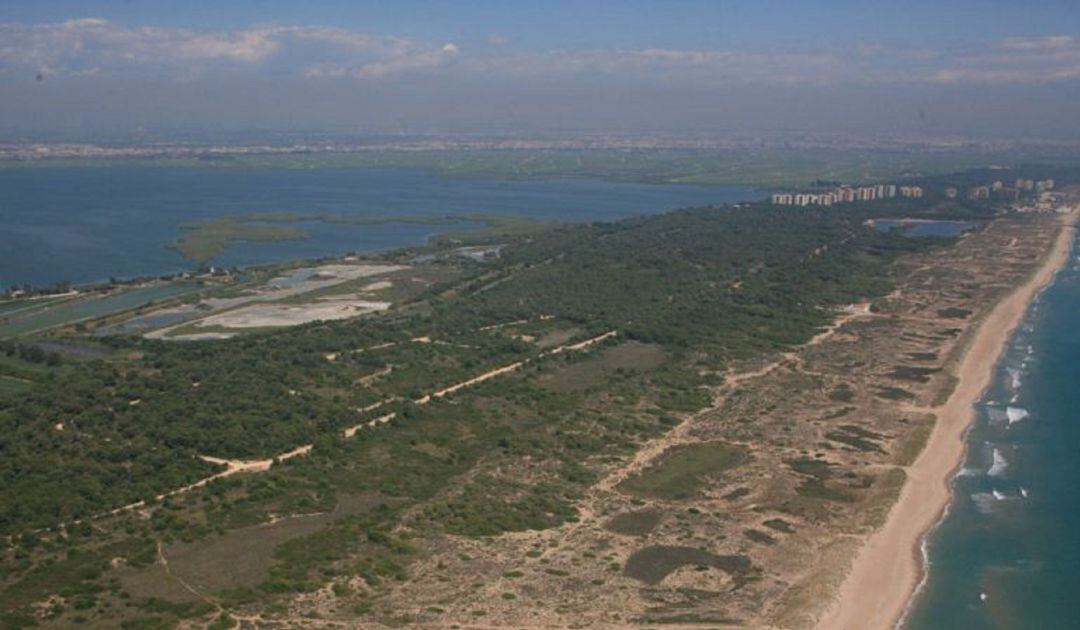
{"x":889,"y":566}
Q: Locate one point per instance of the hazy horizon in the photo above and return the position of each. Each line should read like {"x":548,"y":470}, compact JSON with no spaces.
{"x":95,"y":68}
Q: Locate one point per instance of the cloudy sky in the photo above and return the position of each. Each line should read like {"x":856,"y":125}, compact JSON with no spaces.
{"x":990,"y":68}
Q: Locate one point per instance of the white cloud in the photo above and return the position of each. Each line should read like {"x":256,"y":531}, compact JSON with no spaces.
{"x":92,"y":46}
{"x":73,"y":46}
{"x":403,"y":57}
{"x":1051,"y":42}
{"x":1015,"y":60}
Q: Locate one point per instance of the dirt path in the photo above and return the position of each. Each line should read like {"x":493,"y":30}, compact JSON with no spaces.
{"x":423,"y":400}
{"x":889,"y":565}
{"x":235,"y":466}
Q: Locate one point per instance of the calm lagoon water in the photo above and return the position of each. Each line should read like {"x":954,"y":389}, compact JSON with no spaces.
{"x":1008,"y":553}
{"x":944,"y":229}
{"x":87,"y":224}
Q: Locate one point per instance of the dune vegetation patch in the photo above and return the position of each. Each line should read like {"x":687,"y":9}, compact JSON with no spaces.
{"x":913,"y":373}
{"x":815,"y":486}
{"x":954,"y":313}
{"x":857,"y":438}
{"x":842,"y":393}
{"x":779,"y":525}
{"x":922,"y":356}
{"x":652,"y":564}
{"x":682,"y":471}
{"x":759,"y":537}
{"x":625,"y":358}
{"x":639,"y":523}
{"x":894,"y":393}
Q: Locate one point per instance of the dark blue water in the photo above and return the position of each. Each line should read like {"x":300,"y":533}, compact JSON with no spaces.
{"x":1008,"y":553}
{"x":87,"y":224}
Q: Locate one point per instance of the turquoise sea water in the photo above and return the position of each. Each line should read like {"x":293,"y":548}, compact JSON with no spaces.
{"x":1007,"y":555}
{"x":87,"y":224}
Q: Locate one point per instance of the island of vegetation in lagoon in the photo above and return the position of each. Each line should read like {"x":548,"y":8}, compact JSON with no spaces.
{"x":708,"y":395}
{"x":89,"y":224}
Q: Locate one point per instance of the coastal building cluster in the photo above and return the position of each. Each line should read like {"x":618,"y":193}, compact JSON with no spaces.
{"x":847,"y":194}
{"x":998,"y":189}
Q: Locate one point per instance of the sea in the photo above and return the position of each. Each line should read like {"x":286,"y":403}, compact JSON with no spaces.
{"x":89,"y":224}
{"x":1007,"y":553}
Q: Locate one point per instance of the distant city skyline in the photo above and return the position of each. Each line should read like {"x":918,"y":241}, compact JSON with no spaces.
{"x":993,"y":69}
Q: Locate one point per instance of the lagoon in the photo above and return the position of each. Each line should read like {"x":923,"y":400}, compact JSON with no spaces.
{"x":91,"y":223}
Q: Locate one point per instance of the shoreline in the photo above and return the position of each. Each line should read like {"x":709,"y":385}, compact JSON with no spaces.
{"x":883,"y":578}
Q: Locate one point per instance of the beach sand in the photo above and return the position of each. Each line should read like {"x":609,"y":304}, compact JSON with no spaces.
{"x":889,"y":566}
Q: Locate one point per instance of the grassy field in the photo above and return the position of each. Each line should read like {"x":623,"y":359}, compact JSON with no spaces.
{"x":639,"y":523}
{"x":683,"y":470}
{"x":599,"y":368}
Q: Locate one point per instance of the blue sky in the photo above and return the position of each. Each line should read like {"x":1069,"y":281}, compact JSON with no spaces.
{"x":990,"y":67}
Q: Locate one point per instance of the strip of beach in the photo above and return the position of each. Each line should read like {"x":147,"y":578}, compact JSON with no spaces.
{"x":889,"y":566}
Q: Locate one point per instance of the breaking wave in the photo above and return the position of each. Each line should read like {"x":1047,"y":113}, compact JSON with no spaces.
{"x":999,"y":466}
{"x":1016,"y":414}
{"x":1016,"y":379}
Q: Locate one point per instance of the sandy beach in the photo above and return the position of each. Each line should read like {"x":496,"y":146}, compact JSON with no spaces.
{"x":889,"y":565}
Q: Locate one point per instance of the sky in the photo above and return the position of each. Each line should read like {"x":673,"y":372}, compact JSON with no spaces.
{"x":110,"y":68}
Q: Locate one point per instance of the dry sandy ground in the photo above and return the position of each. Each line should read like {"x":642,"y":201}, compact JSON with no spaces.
{"x":251,"y":311}
{"x":889,"y":567}
{"x":262,"y":315}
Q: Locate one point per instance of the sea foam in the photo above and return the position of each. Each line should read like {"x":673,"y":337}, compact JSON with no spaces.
{"x":999,"y":466}
{"x":1016,"y":414}
{"x":984,"y":502}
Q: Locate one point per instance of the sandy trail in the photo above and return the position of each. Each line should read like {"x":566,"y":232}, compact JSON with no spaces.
{"x":889,"y":566}
{"x":581,"y":345}
{"x":235,"y":466}
{"x":851,"y":313}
